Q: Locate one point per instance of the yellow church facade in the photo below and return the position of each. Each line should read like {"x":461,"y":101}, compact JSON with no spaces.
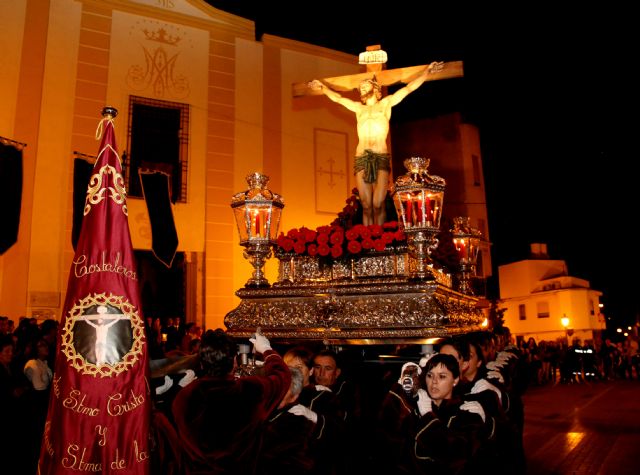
{"x":64,"y":60}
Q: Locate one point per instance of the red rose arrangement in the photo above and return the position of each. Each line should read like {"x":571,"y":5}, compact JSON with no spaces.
{"x":335,"y":241}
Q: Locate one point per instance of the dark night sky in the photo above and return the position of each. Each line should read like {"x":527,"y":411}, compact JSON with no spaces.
{"x":550,"y":91}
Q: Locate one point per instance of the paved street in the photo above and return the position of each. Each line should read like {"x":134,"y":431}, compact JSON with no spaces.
{"x":591,"y":428}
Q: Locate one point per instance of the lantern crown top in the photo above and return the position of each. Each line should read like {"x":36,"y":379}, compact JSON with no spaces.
{"x":462,"y":227}
{"x":257,"y":180}
{"x":417,"y":176}
{"x":257,"y":191}
{"x":417,"y":164}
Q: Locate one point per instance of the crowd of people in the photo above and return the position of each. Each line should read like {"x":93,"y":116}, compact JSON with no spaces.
{"x":317,"y":411}
{"x":306,"y":408}
{"x":27,"y":357}
{"x":553,"y":362}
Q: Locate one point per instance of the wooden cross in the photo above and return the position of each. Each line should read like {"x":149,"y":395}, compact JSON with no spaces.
{"x":385,"y":77}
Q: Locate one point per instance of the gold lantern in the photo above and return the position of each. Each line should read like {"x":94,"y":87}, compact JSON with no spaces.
{"x":467,"y":243}
{"x":418,"y":199}
{"x":257,"y":212}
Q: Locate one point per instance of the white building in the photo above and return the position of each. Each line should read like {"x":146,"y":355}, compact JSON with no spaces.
{"x":539,"y":293}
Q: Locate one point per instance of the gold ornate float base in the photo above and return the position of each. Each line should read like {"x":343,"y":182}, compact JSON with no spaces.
{"x":369,"y":302}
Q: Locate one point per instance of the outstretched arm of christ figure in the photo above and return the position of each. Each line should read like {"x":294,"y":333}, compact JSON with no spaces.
{"x":393,"y":99}
{"x":115,"y":320}
{"x":400,"y":94}
{"x":317,"y":85}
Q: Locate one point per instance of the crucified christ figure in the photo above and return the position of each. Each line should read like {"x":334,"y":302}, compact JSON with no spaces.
{"x":102,"y":330}
{"x":373,"y":160}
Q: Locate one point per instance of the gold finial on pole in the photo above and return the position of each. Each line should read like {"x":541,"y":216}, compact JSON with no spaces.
{"x":109,"y":112}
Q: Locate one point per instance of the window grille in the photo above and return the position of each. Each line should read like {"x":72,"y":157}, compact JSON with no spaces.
{"x":157,"y":139}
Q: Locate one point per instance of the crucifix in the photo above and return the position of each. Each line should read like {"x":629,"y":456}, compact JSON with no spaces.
{"x":373,"y":112}
{"x":102,"y":321}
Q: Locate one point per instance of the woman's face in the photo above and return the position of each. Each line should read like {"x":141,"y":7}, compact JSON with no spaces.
{"x":440,"y":383}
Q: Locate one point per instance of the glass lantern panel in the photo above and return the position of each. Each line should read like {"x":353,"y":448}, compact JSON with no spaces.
{"x":413,"y":209}
{"x":474,"y":244}
{"x":240,"y":216}
{"x":422,"y":208}
{"x":435,"y":200}
{"x":400,"y":208}
{"x":399,"y":203}
{"x":276,"y":212}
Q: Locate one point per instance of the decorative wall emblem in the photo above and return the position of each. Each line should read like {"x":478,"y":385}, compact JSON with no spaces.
{"x":331,"y":162}
{"x":159,"y":73}
{"x":103,"y":335}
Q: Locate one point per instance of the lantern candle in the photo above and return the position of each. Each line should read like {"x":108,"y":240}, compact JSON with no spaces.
{"x":263,"y":229}
{"x":461,"y":250}
{"x":253,"y":229}
{"x":257,"y":223}
{"x":408,"y":212}
{"x":420,"y":212}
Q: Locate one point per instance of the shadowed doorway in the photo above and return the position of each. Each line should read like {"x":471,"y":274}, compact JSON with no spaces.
{"x":163,"y":289}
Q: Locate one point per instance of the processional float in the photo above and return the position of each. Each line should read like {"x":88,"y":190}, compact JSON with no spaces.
{"x":331,"y":289}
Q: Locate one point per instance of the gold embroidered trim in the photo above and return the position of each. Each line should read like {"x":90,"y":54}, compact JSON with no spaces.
{"x":96,"y":190}
{"x":103,"y":370}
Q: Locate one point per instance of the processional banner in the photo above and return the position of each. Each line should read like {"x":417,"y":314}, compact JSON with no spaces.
{"x":99,"y":410}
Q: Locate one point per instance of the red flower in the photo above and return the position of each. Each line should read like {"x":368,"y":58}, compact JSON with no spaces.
{"x":337,"y":238}
{"x":379,"y":245}
{"x":322,"y":238}
{"x":388,"y":237}
{"x":299,"y":247}
{"x":285,"y":242}
{"x":367,"y":243}
{"x":354,"y":247}
{"x":352,"y":234}
{"x":324,"y":250}
{"x":309,"y":235}
{"x":336,"y":251}
{"x":312,"y":250}
{"x":376,"y":230}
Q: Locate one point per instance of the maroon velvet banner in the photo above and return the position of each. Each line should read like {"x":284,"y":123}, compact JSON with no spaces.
{"x":99,"y":410}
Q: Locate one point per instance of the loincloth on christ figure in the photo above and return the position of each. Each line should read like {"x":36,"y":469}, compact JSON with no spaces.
{"x":371,"y":162}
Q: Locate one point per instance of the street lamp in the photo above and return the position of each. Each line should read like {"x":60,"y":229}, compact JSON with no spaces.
{"x":418,"y":199}
{"x":565,"y":323}
{"x":257,"y":213}
{"x":467,"y":243}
